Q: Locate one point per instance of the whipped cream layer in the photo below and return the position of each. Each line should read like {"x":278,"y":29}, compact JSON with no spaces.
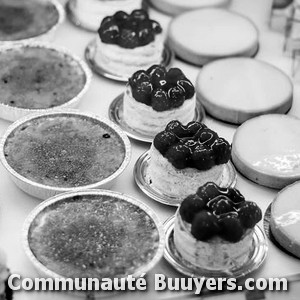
{"x":92,"y":12}
{"x":179,"y":183}
{"x":216,"y":253}
{"x":124,"y":61}
{"x":144,"y":119}
{"x":3,"y":272}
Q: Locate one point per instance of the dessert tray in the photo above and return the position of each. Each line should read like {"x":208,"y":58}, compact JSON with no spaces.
{"x":144,"y":182}
{"x":256,"y":257}
{"x":90,"y":51}
{"x":116,"y":115}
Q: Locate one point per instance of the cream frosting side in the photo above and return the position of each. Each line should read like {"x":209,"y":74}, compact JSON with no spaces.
{"x":145,"y":119}
{"x":179,"y":183}
{"x":92,"y":12}
{"x":3,"y":272}
{"x":123,"y":61}
{"x":215,"y":254}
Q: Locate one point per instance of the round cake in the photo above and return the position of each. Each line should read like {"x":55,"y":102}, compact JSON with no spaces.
{"x":155,"y":97}
{"x":237,"y":89}
{"x":129,"y":42}
{"x":90,"y":13}
{"x":22,"y":20}
{"x":214,"y":228}
{"x":204,"y":35}
{"x":285,"y":218}
{"x":39,"y":77}
{"x":182,"y":157}
{"x":5,"y":292}
{"x":266,"y":149}
{"x":94,"y":234}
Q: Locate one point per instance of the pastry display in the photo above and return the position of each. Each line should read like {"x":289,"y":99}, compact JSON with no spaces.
{"x":94,"y":234}
{"x":23,"y":20}
{"x":61,"y":151}
{"x":184,"y":157}
{"x":129,"y":42}
{"x":5,"y":291}
{"x":214,"y":228}
{"x":176,"y":7}
{"x":266,"y":149}
{"x":155,"y":97}
{"x":285,"y":218}
{"x":220,"y":33}
{"x":237,"y":89}
{"x":37,"y":77}
{"x":90,"y":13}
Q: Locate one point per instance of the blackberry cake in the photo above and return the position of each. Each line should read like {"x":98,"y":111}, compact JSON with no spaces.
{"x":5,"y":291}
{"x":129,"y":42}
{"x":214,"y":228}
{"x":155,"y":97}
{"x":184,"y":157}
{"x":91,"y":12}
{"x":26,"y":19}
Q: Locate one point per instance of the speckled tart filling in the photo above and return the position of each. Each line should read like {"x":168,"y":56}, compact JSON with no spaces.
{"x":39,"y":78}
{"x":21,"y":19}
{"x":64,"y":150}
{"x":96,"y":236}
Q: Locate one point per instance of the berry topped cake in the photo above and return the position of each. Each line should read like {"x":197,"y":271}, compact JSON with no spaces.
{"x":129,"y":42}
{"x":91,"y":12}
{"x":214,"y":228}
{"x":155,"y":97}
{"x":5,"y":291}
{"x":184,"y":157}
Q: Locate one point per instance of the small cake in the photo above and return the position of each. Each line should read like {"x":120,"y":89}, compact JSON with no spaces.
{"x":22,"y":20}
{"x":128,"y":43}
{"x":155,"y":97}
{"x":5,"y":291}
{"x":214,"y":228}
{"x":91,"y":12}
{"x":285,"y":218}
{"x":184,"y":157}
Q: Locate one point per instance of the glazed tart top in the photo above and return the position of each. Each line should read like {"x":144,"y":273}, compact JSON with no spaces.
{"x":64,"y":150}
{"x":192,"y":145}
{"x":215,"y":211}
{"x":26,"y":19}
{"x":38,"y":77}
{"x":93,"y":236}
{"x":161,"y":89}
{"x":129,"y":31}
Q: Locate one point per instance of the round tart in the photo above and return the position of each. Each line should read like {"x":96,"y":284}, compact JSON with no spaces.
{"x":237,"y":89}
{"x":184,"y":156}
{"x":37,"y":77}
{"x":285,"y":218}
{"x":88,"y":14}
{"x":176,"y":7}
{"x":155,"y":97}
{"x":62,"y":151}
{"x":220,"y":33}
{"x":129,"y":42}
{"x":93,"y":234}
{"x":266,"y":150}
{"x":30,"y":19}
{"x":214,"y":228}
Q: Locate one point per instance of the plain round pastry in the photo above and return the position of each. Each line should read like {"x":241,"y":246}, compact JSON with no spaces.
{"x":175,"y":7}
{"x":237,"y":89}
{"x":266,"y":149}
{"x":204,"y":35}
{"x":285,"y":218}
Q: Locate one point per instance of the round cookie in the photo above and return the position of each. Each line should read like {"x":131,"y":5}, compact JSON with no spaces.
{"x":266,"y":149}
{"x":204,"y":35}
{"x":285,"y":218}
{"x":237,"y":89}
{"x":176,"y":7}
